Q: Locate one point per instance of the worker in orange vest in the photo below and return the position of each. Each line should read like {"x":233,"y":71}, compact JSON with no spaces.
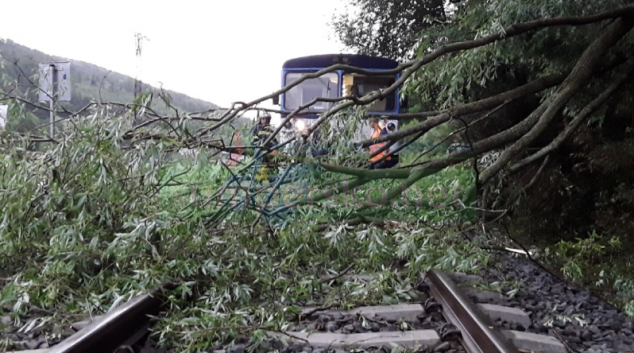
{"x":378,"y":130}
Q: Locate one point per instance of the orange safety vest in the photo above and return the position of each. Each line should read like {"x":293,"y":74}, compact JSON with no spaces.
{"x":377,"y":146}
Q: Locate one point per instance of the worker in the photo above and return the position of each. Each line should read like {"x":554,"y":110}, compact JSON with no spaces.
{"x":236,"y":154}
{"x":261,"y":133}
{"x":393,"y":150}
{"x":390,"y":161}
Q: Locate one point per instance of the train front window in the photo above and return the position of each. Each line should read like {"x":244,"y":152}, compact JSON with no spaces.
{"x":361,"y":85}
{"x":325,"y":86}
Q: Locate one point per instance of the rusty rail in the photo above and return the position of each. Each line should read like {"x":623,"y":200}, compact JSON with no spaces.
{"x":124,"y":326}
{"x":477,"y":331}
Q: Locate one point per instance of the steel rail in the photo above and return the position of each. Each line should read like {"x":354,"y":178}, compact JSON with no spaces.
{"x":478,"y":334}
{"x":124,"y":326}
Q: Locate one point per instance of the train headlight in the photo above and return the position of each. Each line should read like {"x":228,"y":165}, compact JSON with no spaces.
{"x":300,"y":125}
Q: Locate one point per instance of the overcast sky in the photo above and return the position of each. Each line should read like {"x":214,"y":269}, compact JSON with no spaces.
{"x":216,"y":50}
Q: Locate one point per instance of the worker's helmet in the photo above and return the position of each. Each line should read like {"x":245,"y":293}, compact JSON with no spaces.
{"x":374,"y":120}
{"x":266,"y":117}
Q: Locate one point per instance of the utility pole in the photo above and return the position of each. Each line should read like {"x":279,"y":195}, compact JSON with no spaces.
{"x":137,"y":83}
{"x":53,"y":74}
{"x":54,"y":86}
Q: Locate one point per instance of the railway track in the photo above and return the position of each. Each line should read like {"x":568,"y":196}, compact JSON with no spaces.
{"x":466,"y":327}
{"x":120,"y":331}
{"x":447,"y":321}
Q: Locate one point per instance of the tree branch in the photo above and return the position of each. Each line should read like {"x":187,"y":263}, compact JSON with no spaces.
{"x":473,"y":107}
{"x":539,"y":172}
{"x":415,"y":175}
{"x":487,"y":115}
{"x":408,"y":68}
{"x":579,"y":76}
{"x":368,"y":174}
{"x":576,"y":122}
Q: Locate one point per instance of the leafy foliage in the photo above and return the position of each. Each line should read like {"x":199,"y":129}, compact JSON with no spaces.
{"x":599,"y":263}
{"x":457,"y":78}
{"x":96,"y":219}
{"x":387,"y":28}
{"x":584,"y":185}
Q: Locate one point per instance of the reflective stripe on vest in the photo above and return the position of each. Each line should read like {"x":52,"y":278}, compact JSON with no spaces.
{"x":377,"y":146}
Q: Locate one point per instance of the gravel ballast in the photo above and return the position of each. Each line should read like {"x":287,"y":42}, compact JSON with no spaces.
{"x":583,"y":322}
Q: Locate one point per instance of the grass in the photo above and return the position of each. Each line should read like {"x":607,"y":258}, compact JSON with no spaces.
{"x":430,"y":199}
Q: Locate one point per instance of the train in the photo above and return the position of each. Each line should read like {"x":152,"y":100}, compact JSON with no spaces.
{"x":336,"y":84}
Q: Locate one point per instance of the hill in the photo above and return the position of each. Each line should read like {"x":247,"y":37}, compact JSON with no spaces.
{"x":19,"y":64}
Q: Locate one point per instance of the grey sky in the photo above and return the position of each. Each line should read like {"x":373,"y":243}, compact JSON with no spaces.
{"x":216,"y":50}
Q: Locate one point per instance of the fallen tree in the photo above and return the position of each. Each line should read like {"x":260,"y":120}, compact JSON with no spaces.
{"x":91,"y":213}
